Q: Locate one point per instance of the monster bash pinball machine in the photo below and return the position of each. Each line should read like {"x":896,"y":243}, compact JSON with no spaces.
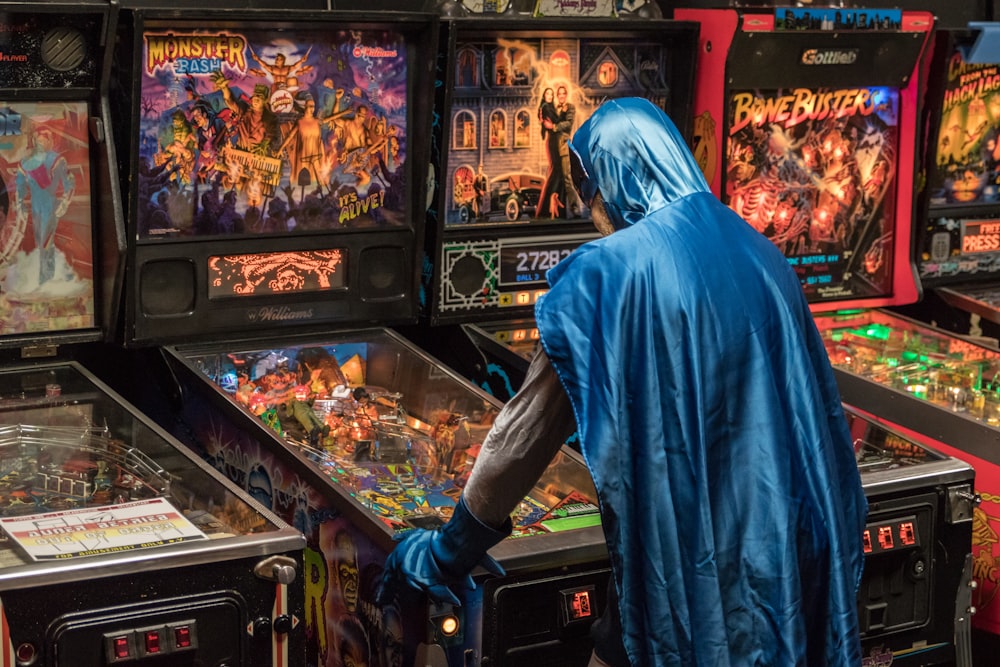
{"x":826,"y":172}
{"x":297,"y":210}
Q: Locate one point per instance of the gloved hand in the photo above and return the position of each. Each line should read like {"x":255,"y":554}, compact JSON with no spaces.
{"x":437,"y":561}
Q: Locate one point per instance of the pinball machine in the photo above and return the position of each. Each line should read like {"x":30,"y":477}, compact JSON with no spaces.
{"x":812,"y":117}
{"x":117,"y":544}
{"x":264,"y":275}
{"x":501,"y":213}
{"x":934,"y":369}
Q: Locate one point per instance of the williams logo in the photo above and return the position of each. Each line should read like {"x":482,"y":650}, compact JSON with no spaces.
{"x":829,"y":56}
{"x":278,"y":314}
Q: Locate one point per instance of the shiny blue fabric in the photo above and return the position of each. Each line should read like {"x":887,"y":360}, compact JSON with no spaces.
{"x":708,"y":416}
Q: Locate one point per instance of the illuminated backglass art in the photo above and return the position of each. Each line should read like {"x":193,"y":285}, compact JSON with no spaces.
{"x":46,"y":237}
{"x":247,"y":131}
{"x":517,"y":100}
{"x":814,"y":170}
{"x":967,"y":165}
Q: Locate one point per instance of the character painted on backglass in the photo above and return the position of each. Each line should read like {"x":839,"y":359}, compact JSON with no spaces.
{"x":810,"y":169}
{"x":46,"y":274}
{"x":280,"y":71}
{"x":968,"y":144}
{"x":45,"y":186}
{"x":303,"y":133}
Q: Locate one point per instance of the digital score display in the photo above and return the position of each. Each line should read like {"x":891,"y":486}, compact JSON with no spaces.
{"x":980,"y":236}
{"x":263,"y":274}
{"x":526,"y":263}
{"x":891,"y":536}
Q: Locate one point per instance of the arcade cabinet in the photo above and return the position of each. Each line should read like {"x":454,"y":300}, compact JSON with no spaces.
{"x":811,"y":119}
{"x":116,"y":544}
{"x":275,"y":207}
{"x":503,"y":210}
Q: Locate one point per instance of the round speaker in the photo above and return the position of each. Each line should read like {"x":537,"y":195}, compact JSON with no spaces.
{"x":167,"y":288}
{"x":468,"y":275}
{"x":383,"y":273}
{"x":63,"y":48}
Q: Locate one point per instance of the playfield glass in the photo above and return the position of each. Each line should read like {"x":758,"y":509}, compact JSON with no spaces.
{"x":814,"y":170}
{"x":386,"y":424}
{"x":922,"y":362}
{"x":247,"y":130}
{"x":82,"y":475}
{"x":46,"y":226}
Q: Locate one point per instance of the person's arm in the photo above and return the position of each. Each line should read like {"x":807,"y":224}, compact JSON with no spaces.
{"x":527,"y":433}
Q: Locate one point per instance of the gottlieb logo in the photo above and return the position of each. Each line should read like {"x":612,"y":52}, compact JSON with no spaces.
{"x":829,"y":56}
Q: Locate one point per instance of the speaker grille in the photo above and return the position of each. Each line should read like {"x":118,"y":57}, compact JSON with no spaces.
{"x":63,"y":49}
{"x":382,"y":273}
{"x":166,"y":288}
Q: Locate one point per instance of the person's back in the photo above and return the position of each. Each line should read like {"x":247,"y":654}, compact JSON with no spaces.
{"x":707,"y":414}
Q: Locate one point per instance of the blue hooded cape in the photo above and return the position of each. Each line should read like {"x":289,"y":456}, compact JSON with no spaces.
{"x":708,"y":416}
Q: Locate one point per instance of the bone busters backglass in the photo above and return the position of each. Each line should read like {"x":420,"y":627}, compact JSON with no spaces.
{"x":247,"y":131}
{"x":46,"y":237}
{"x":814,"y":171}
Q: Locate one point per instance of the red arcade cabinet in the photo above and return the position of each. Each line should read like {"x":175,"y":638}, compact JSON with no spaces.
{"x":807,"y":126}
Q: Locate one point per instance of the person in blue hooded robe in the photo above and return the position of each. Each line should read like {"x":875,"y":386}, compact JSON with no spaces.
{"x":682,"y":348}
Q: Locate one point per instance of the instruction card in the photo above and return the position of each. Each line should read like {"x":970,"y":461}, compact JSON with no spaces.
{"x":141,"y":524}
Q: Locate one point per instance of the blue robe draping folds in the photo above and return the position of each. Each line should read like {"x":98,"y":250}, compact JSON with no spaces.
{"x":708,"y":416}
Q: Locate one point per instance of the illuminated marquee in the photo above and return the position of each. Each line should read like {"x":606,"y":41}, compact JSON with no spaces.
{"x":276,"y":273}
{"x":194,"y":53}
{"x":801,"y":105}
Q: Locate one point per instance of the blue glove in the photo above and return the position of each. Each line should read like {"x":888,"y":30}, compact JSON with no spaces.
{"x":437,"y":561}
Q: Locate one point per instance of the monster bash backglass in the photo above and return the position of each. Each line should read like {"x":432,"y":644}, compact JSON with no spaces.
{"x":246,"y":130}
{"x":46,"y":238}
{"x":814,"y":170}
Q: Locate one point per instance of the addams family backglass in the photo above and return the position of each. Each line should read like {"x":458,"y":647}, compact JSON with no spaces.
{"x":807,"y":126}
{"x":55,"y":161}
{"x":510,"y":95}
{"x":275,"y":168}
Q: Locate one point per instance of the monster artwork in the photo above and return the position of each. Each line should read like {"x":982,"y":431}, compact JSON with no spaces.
{"x":814,"y":171}
{"x":245,"y":133}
